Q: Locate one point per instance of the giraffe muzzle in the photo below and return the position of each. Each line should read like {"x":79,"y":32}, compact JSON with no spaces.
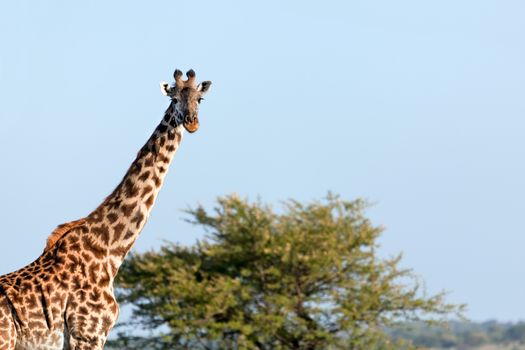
{"x":191,"y":123}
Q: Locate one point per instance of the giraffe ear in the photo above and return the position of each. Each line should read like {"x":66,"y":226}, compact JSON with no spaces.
{"x":204,"y":87}
{"x":165,"y":88}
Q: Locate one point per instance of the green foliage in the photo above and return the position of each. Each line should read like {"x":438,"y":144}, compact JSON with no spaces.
{"x":306,"y":278}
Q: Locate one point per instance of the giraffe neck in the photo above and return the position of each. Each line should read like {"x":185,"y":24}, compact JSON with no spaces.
{"x":115,"y":225}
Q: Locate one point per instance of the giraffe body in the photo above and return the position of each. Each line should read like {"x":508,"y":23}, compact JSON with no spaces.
{"x":65,"y":299}
{"x":60,"y":298}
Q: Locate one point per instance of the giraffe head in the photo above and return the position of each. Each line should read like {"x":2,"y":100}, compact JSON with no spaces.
{"x":185,"y":99}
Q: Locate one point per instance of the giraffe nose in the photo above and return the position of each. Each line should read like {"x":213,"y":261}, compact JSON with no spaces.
{"x":191,"y":123}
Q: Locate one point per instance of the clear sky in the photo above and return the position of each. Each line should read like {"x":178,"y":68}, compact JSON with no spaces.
{"x":417,"y":106}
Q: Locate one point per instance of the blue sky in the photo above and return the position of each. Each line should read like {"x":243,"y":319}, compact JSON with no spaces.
{"x":415,"y":105}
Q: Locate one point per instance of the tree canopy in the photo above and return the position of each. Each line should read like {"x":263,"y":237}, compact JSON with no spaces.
{"x":306,"y":276}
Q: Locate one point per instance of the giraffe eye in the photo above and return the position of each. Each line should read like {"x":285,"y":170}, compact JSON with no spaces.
{"x":200,"y":99}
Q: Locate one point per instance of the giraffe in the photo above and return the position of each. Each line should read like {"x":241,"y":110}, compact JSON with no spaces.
{"x":65,"y":299}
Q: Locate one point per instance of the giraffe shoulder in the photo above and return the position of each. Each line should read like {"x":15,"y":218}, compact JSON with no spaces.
{"x":60,"y":231}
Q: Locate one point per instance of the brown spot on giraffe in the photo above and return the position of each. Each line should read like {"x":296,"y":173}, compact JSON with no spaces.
{"x":162,"y":141}
{"x":117,"y":232}
{"x":157,"y":180}
{"x":89,"y":244}
{"x":149,"y":161}
{"x":102,"y":232}
{"x":145,"y":176}
{"x":150,"y":201}
{"x":147,"y":190}
{"x":64,"y":299}
{"x":127,"y":209}
{"x":112,"y":217}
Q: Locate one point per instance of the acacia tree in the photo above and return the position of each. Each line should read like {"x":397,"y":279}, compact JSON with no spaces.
{"x":306,"y":277}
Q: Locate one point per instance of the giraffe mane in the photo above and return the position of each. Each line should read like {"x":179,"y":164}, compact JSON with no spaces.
{"x":60,"y":231}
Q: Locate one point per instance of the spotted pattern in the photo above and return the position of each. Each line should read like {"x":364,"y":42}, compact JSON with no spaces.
{"x":64,"y":299}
